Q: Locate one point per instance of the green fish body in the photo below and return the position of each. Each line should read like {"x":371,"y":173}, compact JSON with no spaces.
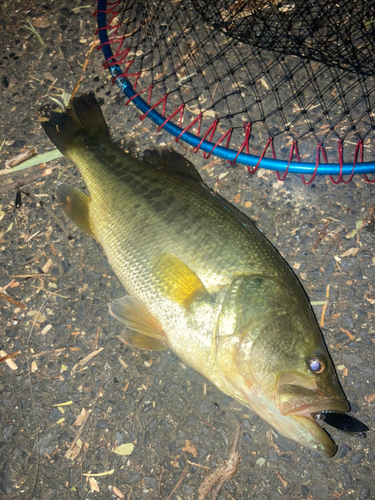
{"x":202,"y":280}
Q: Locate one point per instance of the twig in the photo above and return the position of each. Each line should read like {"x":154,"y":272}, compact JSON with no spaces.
{"x":9,"y":356}
{"x":198,"y":465}
{"x":87,"y":358}
{"x":52,"y":293}
{"x":179,"y":482}
{"x":85,"y":64}
{"x":321,"y":323}
{"x":223,"y":473}
{"x":322,"y":234}
{"x":78,"y":435}
{"x":159,"y":483}
{"x":13,"y":301}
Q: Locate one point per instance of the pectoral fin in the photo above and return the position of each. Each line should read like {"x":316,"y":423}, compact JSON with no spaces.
{"x":76,"y":204}
{"x":145,"y":332}
{"x":178,"y":281}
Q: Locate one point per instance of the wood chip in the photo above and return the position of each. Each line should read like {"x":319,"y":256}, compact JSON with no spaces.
{"x":81,"y":417}
{"x":117,"y":492}
{"x":46,"y":329}
{"x":47,"y":266}
{"x":347,"y":333}
{"x":8,"y":359}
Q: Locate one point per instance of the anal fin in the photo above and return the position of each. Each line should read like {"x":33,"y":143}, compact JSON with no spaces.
{"x":145,"y":332}
{"x":76,"y":204}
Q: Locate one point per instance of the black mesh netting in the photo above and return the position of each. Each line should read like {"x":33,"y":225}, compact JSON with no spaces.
{"x":296,"y":70}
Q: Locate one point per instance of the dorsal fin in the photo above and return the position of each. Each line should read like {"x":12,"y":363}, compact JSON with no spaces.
{"x":235,"y":211}
{"x":172,"y":162}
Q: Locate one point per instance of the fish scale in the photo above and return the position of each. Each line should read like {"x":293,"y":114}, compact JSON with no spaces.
{"x":201,"y":279}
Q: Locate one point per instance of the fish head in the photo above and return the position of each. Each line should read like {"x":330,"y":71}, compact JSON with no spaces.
{"x":281,"y":366}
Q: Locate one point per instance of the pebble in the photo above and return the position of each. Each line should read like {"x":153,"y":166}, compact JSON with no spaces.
{"x":357,"y":458}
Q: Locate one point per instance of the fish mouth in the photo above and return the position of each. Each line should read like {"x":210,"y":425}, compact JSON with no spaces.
{"x":302,"y":404}
{"x":301,"y":399}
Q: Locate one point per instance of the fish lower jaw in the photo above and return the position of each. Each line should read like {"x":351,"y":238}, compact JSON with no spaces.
{"x":328,"y":404}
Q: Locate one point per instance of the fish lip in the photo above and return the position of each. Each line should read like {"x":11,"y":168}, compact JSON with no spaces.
{"x":329,"y":404}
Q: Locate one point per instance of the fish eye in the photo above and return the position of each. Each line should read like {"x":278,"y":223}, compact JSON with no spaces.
{"x":316,"y":364}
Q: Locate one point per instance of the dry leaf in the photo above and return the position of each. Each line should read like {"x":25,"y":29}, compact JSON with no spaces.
{"x":370,"y":297}
{"x":371,"y":398}
{"x":351,"y":252}
{"x":124,"y":449}
{"x":42,"y":22}
{"x":72,"y":453}
{"x":37,"y":316}
{"x":190,"y":448}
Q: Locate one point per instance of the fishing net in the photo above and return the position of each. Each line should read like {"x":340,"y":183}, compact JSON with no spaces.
{"x":284,"y":84}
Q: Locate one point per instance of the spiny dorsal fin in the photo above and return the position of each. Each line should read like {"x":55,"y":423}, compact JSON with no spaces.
{"x":134,"y":314}
{"x":76,"y":204}
{"x":236,"y":212}
{"x":178,"y":281}
{"x":172,"y":162}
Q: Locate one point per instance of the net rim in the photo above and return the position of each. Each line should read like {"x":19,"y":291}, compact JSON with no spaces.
{"x":233,"y":156}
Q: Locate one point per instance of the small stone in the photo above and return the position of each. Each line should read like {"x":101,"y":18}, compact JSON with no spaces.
{"x":364,"y":493}
{"x":357,"y":458}
{"x":150,"y":482}
{"x":320,"y":490}
{"x":252,"y":478}
{"x":66,"y":266}
{"x":285,"y":444}
{"x":132,"y":477}
{"x":55,"y":414}
{"x":346,"y":477}
{"x":343,"y":450}
{"x":7,"y":432}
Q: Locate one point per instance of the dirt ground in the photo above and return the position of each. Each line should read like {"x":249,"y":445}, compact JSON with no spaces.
{"x":181,"y":427}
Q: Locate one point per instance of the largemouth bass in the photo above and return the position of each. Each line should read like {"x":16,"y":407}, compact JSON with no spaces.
{"x":202,"y":280}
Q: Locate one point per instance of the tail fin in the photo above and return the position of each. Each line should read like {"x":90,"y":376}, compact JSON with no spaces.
{"x":82,"y":116}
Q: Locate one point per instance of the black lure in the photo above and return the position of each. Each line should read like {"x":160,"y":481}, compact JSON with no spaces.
{"x":343,"y":422}
{"x":18,"y":201}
